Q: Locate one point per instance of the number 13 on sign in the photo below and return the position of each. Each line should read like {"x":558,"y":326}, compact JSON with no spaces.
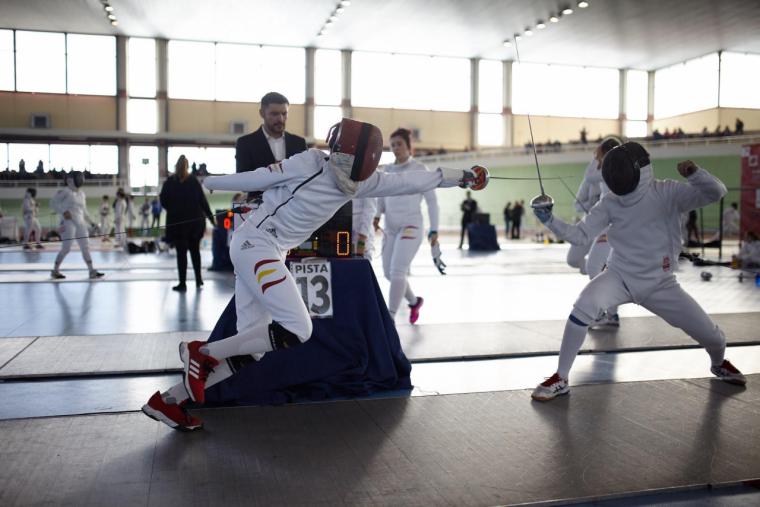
{"x":315,"y":283}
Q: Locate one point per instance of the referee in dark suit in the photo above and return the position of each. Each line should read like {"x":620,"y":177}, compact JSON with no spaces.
{"x":270,"y":143}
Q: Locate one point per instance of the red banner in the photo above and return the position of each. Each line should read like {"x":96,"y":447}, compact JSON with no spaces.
{"x":750,"y":196}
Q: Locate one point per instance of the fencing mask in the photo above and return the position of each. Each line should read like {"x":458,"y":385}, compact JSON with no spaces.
{"x":355,"y":149}
{"x":75,"y":179}
{"x":32,"y":192}
{"x":621,"y":167}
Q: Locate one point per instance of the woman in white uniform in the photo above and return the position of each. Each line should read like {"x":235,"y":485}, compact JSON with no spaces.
{"x":642,"y":219}
{"x":105,"y":222}
{"x":30,"y":209}
{"x":299,"y":195}
{"x":71,"y":203}
{"x":404,"y":227}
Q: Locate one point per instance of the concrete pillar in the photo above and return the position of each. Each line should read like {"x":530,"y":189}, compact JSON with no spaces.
{"x":507,"y":103}
{"x":121,"y":105}
{"x":162,"y":104}
{"x":650,"y":102}
{"x":345,"y":103}
{"x":623,"y":98}
{"x":309,"y":102}
{"x":474,"y":103}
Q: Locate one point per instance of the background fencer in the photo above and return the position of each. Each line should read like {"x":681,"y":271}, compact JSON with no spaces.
{"x":70,"y":202}
{"x":105,"y":222}
{"x":299,"y":195}
{"x":642,"y":216}
{"x":362,"y":230}
{"x":600,"y":250}
{"x":30,"y":209}
{"x":404,"y":227}
{"x":587,"y":195}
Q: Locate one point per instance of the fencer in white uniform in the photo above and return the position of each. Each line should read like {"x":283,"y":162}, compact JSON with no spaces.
{"x":600,"y":250}
{"x":30,"y":209}
{"x":71,"y":204}
{"x":362,"y":231}
{"x":119,"y":210}
{"x":130,"y":212}
{"x":404,"y":227}
{"x":643,"y":220}
{"x":588,"y":194}
{"x":105,"y":222}
{"x":299,"y":195}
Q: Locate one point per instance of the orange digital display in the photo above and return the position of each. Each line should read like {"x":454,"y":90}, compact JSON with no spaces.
{"x":343,"y":243}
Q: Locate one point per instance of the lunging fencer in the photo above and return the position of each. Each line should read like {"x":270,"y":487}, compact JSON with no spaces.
{"x":30,"y":208}
{"x":642,"y":218}
{"x":299,"y":195}
{"x":71,"y":204}
{"x":404,"y":227}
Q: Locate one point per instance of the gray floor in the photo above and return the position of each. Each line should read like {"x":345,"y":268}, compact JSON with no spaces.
{"x":643,"y":415}
{"x":472,"y":449}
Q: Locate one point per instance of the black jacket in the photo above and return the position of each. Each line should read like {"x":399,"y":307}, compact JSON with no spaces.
{"x":185,"y":202}
{"x":252,"y":150}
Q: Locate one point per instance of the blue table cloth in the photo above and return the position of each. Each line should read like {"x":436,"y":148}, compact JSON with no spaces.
{"x":357,"y":352}
{"x":482,"y":237}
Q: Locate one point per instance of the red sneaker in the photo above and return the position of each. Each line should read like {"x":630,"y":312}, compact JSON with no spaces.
{"x":727,"y":372}
{"x":414,"y":310}
{"x":197,"y":367}
{"x":172,"y":415}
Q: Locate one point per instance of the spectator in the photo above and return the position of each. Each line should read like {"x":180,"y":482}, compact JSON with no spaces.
{"x":22,"y":166}
{"x":749,"y":255}
{"x":739,"y":127}
{"x":731,"y":220}
{"x":692,"y":230}
{"x":507,"y":218}
{"x":155,"y":209}
{"x":584,"y":134}
{"x":144,"y":216}
{"x":40,"y":169}
{"x":517,"y":212}
{"x":726,"y":131}
{"x":131,"y":217}
{"x":469,"y":206}
{"x":186,"y":206}
{"x":656,"y":135}
{"x":718,"y":132}
{"x":270,"y":143}
{"x":705,"y":132}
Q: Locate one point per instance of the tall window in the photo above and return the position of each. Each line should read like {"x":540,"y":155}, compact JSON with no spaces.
{"x":410,"y":82}
{"x":637,"y":94}
{"x":91,"y":64}
{"x":236,"y":72}
{"x":70,"y":157}
{"x":30,"y":153}
{"x":328,"y":77}
{"x":561,"y":90}
{"x":7,"y":69}
{"x":739,"y":80}
{"x":218,"y":159}
{"x":141,"y":67}
{"x":143,"y":166}
{"x":142,"y":116}
{"x":686,"y":87}
{"x":282,"y":70}
{"x":191,"y":70}
{"x":324,"y":118}
{"x":40,"y":62}
{"x":4,"y":163}
{"x":490,"y":103}
{"x":104,"y":159}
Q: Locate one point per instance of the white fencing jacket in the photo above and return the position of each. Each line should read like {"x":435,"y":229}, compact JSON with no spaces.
{"x":74,"y":202}
{"x":301,"y":193}
{"x":644,"y":226}
{"x":403,"y":210}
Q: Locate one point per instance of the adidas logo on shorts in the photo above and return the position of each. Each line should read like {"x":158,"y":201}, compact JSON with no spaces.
{"x":246,"y":245}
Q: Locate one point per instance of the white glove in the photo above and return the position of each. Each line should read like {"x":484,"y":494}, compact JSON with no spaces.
{"x":435,"y":250}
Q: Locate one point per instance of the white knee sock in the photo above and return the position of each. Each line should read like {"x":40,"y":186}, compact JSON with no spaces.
{"x":254,"y":340}
{"x":178,"y":393}
{"x":398,"y":288}
{"x":409,"y":294}
{"x":715,"y":346}
{"x":571,"y":344}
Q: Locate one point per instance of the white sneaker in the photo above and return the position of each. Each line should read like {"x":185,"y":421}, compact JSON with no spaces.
{"x":550,"y":388}
{"x":94,"y":275}
{"x":605,"y":321}
{"x":727,"y":372}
